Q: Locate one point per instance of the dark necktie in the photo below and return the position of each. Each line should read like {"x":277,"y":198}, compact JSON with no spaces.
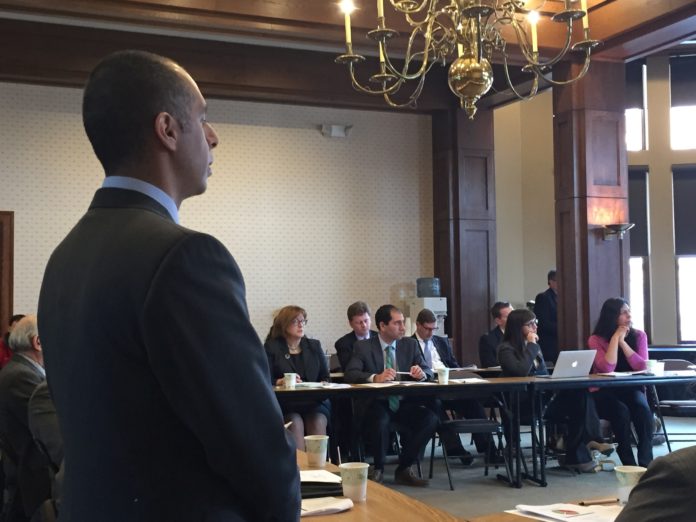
{"x":389,"y":363}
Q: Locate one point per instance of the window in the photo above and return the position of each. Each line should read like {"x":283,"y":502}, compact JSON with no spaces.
{"x":638,"y":264}
{"x":682,"y":82}
{"x":684,"y":194}
{"x":635,"y":105}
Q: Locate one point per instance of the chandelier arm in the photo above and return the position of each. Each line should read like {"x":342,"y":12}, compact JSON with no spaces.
{"x":529,"y":56}
{"x":582,"y":73}
{"x":535,"y":84}
{"x":431,"y":10}
{"x":367,"y":90}
{"x":412,"y":99}
{"x":412,"y":10}
{"x":404,"y":75}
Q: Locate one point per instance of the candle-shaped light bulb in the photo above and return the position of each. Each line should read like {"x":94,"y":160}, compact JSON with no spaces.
{"x":347,"y":7}
{"x":586,"y":18}
{"x":460,"y":49}
{"x":381,"y":52}
{"x":533,"y":18}
{"x":380,"y":8}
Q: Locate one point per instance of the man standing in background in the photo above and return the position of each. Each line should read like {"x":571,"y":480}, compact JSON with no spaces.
{"x":546,"y":310}
{"x":159,"y":379}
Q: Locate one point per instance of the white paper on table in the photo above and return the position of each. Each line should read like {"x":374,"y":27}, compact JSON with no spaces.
{"x":554,"y":512}
{"x":679,"y":373}
{"x":319,"y":475}
{"x":324,"y":506}
{"x":468,"y":380}
{"x":378,"y":384}
{"x":622,"y":374}
{"x":416,"y":383}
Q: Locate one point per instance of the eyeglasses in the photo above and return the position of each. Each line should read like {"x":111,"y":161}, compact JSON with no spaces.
{"x":531,"y":324}
{"x":299,"y":322}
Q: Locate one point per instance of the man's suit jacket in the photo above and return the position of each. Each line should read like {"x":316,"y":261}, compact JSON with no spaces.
{"x":666,"y":491}
{"x":368,"y":359}
{"x":344,"y":347}
{"x":546,"y":310}
{"x":159,"y":379}
{"x":313,"y":359}
{"x":444,"y":350}
{"x":488,"y":347}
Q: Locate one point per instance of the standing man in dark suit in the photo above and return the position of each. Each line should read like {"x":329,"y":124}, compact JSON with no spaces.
{"x":546,"y":311}
{"x":377,"y":360}
{"x":437,"y":353}
{"x":359,"y":321}
{"x":18,"y":380}
{"x":488,"y":343}
{"x":158,"y":377}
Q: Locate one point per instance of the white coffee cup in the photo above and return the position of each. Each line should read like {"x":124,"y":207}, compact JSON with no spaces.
{"x":354,"y":479}
{"x":316,"y":447}
{"x":628,"y":476}
{"x":290,"y":380}
{"x":443,"y":375}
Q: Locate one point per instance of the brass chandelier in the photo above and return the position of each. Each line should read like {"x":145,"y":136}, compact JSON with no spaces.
{"x":467,"y":33}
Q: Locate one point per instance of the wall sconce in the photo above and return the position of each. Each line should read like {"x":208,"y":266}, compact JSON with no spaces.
{"x":333,"y":130}
{"x":616,"y":230}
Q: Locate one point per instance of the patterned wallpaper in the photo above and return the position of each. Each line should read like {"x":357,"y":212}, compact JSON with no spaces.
{"x":313,"y":221}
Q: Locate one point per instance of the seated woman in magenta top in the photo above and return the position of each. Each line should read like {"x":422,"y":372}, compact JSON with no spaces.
{"x":620,"y":347}
{"x":290,"y":351}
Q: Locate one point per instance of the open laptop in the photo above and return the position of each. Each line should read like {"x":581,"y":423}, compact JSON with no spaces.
{"x":572,"y":363}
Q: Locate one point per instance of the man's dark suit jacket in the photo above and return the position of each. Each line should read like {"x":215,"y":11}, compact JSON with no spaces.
{"x":159,"y":379}
{"x":488,"y":347}
{"x":546,"y":310}
{"x":666,"y":491}
{"x":368,"y":359}
{"x":444,"y":350}
{"x":344,"y":347}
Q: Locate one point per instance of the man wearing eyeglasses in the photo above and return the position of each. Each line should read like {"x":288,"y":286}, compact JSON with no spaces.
{"x":437,"y":353}
{"x":391,"y":357}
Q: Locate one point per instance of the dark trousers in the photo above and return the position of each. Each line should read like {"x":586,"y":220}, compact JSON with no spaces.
{"x":415,"y":422}
{"x":621,"y":406}
{"x":575,"y":409}
{"x":464,"y":409}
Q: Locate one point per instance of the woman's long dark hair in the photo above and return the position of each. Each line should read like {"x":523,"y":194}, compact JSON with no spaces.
{"x":513,"y":328}
{"x":609,"y":319}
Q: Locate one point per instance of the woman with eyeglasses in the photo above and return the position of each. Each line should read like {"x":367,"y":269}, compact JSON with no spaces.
{"x":620,"y":347}
{"x":520,"y":355}
{"x":289,"y":351}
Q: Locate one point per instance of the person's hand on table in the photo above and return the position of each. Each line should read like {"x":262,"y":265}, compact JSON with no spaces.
{"x":389,"y":374}
{"x":281,"y":381}
{"x":417,"y":372}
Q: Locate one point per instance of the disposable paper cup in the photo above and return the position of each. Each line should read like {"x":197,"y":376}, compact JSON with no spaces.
{"x":651,"y":365}
{"x":316,"y":446}
{"x":628,"y":476}
{"x":659,"y":369}
{"x":290,"y":381}
{"x":443,"y":375}
{"x":354,"y":479}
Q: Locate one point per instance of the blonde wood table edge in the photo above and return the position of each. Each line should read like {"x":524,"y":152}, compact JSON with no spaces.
{"x":382,"y":503}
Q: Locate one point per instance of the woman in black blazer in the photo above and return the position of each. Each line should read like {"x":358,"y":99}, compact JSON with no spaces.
{"x":289,"y":351}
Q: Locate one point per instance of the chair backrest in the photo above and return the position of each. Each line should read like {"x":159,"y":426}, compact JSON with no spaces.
{"x":673,"y":365}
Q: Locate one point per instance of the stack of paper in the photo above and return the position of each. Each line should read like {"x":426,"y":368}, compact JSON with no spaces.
{"x":570,"y":512}
{"x":324,"y":506}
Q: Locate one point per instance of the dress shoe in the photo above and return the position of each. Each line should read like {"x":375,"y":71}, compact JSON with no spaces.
{"x":406,"y":477}
{"x":376,"y":475}
{"x":465,"y":457}
{"x":604,"y":448}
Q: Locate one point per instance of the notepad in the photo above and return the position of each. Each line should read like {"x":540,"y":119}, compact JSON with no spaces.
{"x":324,"y":506}
{"x":556,"y":512}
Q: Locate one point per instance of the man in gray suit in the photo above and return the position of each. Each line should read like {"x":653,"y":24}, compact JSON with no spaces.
{"x":666,"y":492}
{"x":158,"y":377}
{"x":377,"y":360}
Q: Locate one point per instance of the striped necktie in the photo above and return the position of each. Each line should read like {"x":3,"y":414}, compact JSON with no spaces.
{"x":389,"y":363}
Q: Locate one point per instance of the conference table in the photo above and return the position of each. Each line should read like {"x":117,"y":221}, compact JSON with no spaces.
{"x":382,"y":503}
{"x":513,"y":387}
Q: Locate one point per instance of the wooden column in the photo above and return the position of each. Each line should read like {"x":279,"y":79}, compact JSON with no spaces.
{"x":464,"y":224}
{"x":591,"y":188}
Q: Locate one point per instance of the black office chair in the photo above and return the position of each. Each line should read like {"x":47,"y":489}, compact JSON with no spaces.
{"x":674,"y":408}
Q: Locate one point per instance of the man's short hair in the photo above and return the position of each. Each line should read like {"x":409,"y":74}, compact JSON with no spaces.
{"x":124,"y":94}
{"x":426,"y":316}
{"x":358,"y":308}
{"x":551,"y":276}
{"x":384,"y":314}
{"x":497,"y":307}
{"x":16,"y":318}
{"x":22,"y":334}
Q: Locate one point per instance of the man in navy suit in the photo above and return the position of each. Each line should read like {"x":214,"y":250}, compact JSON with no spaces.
{"x":546,"y":310}
{"x":359,"y":321}
{"x":488,"y":343}
{"x":378,"y":360}
{"x":437,"y":353}
{"x":158,"y":377}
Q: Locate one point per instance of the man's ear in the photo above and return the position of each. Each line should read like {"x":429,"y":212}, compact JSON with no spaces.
{"x":36,"y":343}
{"x":167,"y":130}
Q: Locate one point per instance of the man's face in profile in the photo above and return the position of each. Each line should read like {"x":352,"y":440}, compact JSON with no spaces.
{"x":425,"y":330}
{"x":394,"y":329}
{"x":501,"y":321}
